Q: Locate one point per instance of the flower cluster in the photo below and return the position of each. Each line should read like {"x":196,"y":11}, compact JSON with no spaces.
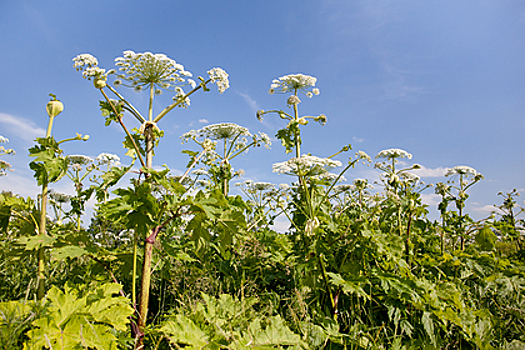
{"x":108,"y":158}
{"x":306,"y":165}
{"x":79,"y":159}
{"x":294,"y":83}
{"x":461,"y":170}
{"x":222,"y":131}
{"x":394,"y":153}
{"x":88,"y":65}
{"x":84,"y":61}
{"x":181,"y":95}
{"x":76,"y":161}
{"x":3,"y":139}
{"x":229,"y":132}
{"x":3,"y":167}
{"x":59,"y":197}
{"x":219,"y":77}
{"x":145,"y":69}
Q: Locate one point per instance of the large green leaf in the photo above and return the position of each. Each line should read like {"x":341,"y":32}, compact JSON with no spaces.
{"x":76,"y":321}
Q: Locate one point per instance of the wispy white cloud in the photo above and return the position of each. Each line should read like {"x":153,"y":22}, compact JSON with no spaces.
{"x":431,"y":199}
{"x":358,"y":139}
{"x":23,"y":128}
{"x":485,"y":210}
{"x":23,"y":186}
{"x":250,"y":101}
{"x":427,"y":172}
{"x":203,"y":121}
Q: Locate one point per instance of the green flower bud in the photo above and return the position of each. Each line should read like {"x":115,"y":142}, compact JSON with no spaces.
{"x":54,"y":107}
{"x":100,"y":82}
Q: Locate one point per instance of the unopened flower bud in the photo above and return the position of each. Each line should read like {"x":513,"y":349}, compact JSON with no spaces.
{"x":394,"y":179}
{"x":54,"y":107}
{"x":99,"y":82}
{"x":321,"y":119}
{"x":303,"y":121}
{"x":259,"y":115}
{"x":293,"y":100}
{"x":85,"y":138}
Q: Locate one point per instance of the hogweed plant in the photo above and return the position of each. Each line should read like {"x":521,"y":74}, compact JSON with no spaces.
{"x":402,"y":188}
{"x":461,"y":178}
{"x":265,"y":198}
{"x":152,"y":73}
{"x":229,"y":141}
{"x":293,"y":84}
{"x":49,"y":167}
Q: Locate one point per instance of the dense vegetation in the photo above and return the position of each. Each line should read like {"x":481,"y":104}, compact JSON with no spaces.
{"x":172,"y":262}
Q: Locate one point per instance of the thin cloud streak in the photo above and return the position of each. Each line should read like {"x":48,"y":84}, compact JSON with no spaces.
{"x":23,"y":128}
{"x":427,"y":172}
{"x":250,"y":101}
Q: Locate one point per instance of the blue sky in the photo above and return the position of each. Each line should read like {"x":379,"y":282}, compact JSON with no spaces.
{"x":444,"y":80}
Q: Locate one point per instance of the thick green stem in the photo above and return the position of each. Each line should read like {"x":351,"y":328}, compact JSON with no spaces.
{"x":49,"y":126}
{"x":296,"y":137}
{"x":134,"y":273}
{"x":149,"y":147}
{"x":407,"y":242}
{"x":146,"y":279}
{"x":41,"y":288}
{"x":327,"y":286}
{"x":443,"y":234}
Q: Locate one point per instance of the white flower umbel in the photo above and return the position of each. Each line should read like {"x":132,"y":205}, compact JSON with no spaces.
{"x":59,"y":197}
{"x":79,"y":160}
{"x":306,"y":165}
{"x":294,"y":83}
{"x":223,"y":131}
{"x":461,"y":170}
{"x":84,"y":61}
{"x":219,"y":77}
{"x":108,"y":158}
{"x":4,"y":166}
{"x":394,"y":153}
{"x":342,"y":188}
{"x":262,"y":186}
{"x":200,"y":172}
{"x":94,"y":72}
{"x":3,"y":139}
{"x":144,"y":69}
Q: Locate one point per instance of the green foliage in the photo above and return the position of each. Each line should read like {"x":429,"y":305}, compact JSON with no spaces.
{"x":75,"y":319}
{"x":49,"y":165}
{"x":230,"y":323}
